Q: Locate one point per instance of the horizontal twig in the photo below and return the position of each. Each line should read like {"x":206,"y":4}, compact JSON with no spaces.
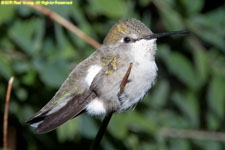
{"x":65,"y":23}
{"x":192,"y":134}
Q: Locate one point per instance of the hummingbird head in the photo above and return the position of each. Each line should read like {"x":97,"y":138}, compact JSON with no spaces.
{"x":129,"y":32}
{"x":127,"y":35}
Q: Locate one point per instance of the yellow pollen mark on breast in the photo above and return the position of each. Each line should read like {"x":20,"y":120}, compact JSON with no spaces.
{"x":108,"y":71}
{"x":115,"y":63}
{"x":106,"y":61}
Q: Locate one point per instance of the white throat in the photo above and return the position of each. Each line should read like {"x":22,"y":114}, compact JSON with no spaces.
{"x":143,"y":50}
{"x":143,"y":74}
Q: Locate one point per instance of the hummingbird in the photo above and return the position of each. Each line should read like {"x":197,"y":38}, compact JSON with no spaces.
{"x":93,"y":86}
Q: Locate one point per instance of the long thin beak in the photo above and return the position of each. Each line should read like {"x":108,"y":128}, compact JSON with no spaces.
{"x":159,"y":35}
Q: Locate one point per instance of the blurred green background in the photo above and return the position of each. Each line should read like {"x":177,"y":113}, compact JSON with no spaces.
{"x":189,"y":92}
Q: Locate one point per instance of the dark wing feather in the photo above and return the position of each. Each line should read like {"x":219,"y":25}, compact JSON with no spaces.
{"x":73,"y":108}
{"x":74,"y":92}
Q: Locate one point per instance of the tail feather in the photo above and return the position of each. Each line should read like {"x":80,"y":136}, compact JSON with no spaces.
{"x":47,"y":122}
{"x":35,"y":119}
{"x":36,"y":124}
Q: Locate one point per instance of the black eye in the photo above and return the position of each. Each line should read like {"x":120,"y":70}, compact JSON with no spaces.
{"x":127,"y":39}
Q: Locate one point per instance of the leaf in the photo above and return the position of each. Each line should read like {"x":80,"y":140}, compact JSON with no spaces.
{"x":217,"y":62}
{"x":180,"y":66}
{"x":63,"y":10}
{"x":133,"y":141}
{"x":130,"y":120}
{"x":66,"y":50}
{"x":213,"y":121}
{"x":88,"y":127}
{"x":216,"y":95}
{"x":201,"y":60}
{"x":192,"y":6}
{"x":148,"y":145}
{"x":24,"y":10}
{"x":202,"y":65}
{"x":27,"y":35}
{"x":21,"y":94}
{"x":5,"y":67}
{"x":183,"y":69}
{"x":6,"y":12}
{"x":179,"y":144}
{"x":208,"y":145}
{"x":209,"y":27}
{"x":170,"y":17}
{"x":166,"y":118}
{"x":160,"y":95}
{"x":30,"y":77}
{"x":53,"y":74}
{"x":21,"y":66}
{"x":67,"y":131}
{"x":112,"y":9}
{"x":21,"y":113}
{"x":135,"y":119}
{"x":145,"y":2}
{"x":188,"y":104}
{"x":3,"y":90}
{"x":118,"y":122}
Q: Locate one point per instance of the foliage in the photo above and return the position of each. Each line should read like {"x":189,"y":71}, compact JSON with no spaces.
{"x":189,"y":92}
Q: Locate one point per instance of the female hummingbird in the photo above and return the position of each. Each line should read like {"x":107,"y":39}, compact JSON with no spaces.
{"x":94,"y":84}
